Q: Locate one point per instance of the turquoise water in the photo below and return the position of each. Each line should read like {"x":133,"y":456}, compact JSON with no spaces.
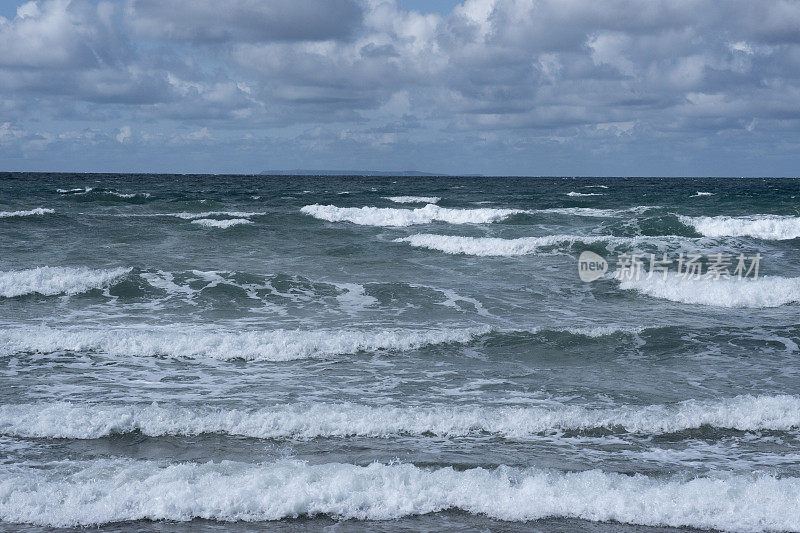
{"x":213,"y":352}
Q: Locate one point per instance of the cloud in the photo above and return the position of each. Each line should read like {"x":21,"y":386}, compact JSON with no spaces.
{"x":498,"y":78}
{"x":244,"y":20}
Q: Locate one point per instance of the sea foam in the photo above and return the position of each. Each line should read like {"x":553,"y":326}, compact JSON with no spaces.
{"x":494,"y":246}
{"x":206,"y":214}
{"x":183,"y":341}
{"x":413,"y":199}
{"x":315,"y":420}
{"x":212,"y":223}
{"x":49,"y":281}
{"x":382,"y":216}
{"x":767,"y":227}
{"x":101,"y":491}
{"x":30,"y":212}
{"x":766,"y":291}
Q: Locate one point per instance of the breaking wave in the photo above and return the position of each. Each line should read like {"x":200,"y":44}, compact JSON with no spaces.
{"x":413,"y":199}
{"x":49,"y":281}
{"x":768,"y":227}
{"x":101,"y":491}
{"x":309,"y":421}
{"x":381,"y":216}
{"x":212,"y":223}
{"x":596,"y":213}
{"x":191,"y":342}
{"x":194,"y":216}
{"x":573,"y":193}
{"x":766,"y":291}
{"x":494,"y":246}
{"x":30,"y":212}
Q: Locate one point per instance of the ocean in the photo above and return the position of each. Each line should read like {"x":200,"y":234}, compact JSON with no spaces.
{"x":247,"y":353}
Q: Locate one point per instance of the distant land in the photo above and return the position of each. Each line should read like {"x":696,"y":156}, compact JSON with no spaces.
{"x":306,"y":172}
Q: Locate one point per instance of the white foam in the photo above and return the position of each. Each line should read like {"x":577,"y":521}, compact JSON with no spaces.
{"x":128,"y":195}
{"x":381,"y":216}
{"x":413,"y":199}
{"x":768,"y":227}
{"x":766,"y":291}
{"x":233,"y":214}
{"x":189,"y":341}
{"x":30,"y":212}
{"x":595,"y":186}
{"x":212,"y":223}
{"x":101,"y":491}
{"x":73,"y":191}
{"x":314,"y":420}
{"x":573,"y":193}
{"x":597,"y":213}
{"x":494,"y":246}
{"x":50,"y":281}
{"x":701,"y":193}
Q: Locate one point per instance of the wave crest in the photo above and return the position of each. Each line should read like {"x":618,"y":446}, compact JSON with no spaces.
{"x":766,"y":291}
{"x":212,"y":223}
{"x":100,"y":491}
{"x":191,"y":342}
{"x":50,"y":281}
{"x":393,"y":217}
{"x":30,"y":212}
{"x":309,"y":421}
{"x":767,"y":227}
{"x":413,"y":199}
{"x":495,"y":246}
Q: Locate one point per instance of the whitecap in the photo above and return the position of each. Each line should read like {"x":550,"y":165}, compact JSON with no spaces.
{"x":495,"y":246}
{"x":206,"y":214}
{"x":766,"y":291}
{"x":768,"y":227}
{"x":573,"y":193}
{"x":315,"y":420}
{"x":49,"y":281}
{"x":212,"y":223}
{"x":381,"y":216}
{"x":30,"y":212}
{"x":186,"y":341}
{"x":100,"y":491}
{"x":413,"y":199}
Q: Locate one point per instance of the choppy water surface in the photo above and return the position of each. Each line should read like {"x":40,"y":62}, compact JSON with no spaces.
{"x":241,"y":352}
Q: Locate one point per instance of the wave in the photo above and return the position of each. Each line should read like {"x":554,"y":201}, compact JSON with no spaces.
{"x":75,"y":191}
{"x":768,"y":227}
{"x":701,"y":193}
{"x":206,"y":214}
{"x":30,"y":212}
{"x":596,"y":213}
{"x":494,"y":246}
{"x":211,"y":223}
{"x":413,"y":199}
{"x":92,"y":192}
{"x":315,"y":420}
{"x":101,"y":491}
{"x":181,"y":341}
{"x":595,"y":186}
{"x":49,"y":281}
{"x":766,"y":291}
{"x":382,"y":216}
{"x":573,"y":193}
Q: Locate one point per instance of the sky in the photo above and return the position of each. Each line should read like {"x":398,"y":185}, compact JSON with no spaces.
{"x":495,"y":87}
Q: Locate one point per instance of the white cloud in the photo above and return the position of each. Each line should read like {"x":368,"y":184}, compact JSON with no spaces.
{"x":124,"y":134}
